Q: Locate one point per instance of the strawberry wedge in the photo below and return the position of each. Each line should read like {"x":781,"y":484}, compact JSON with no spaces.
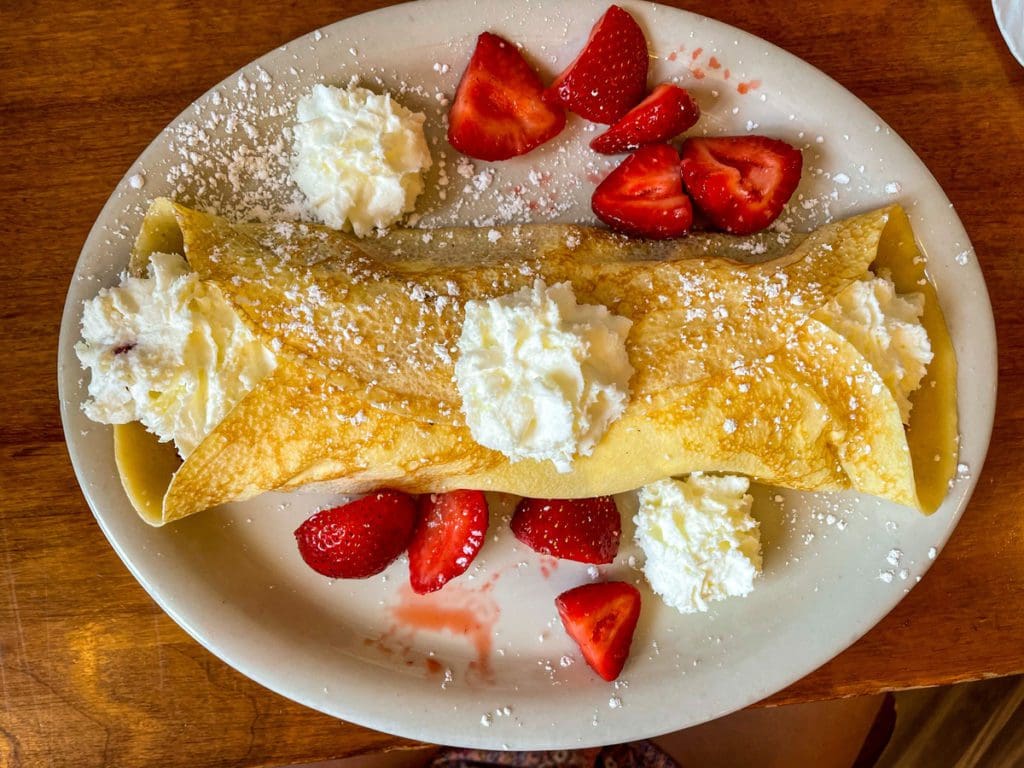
{"x":601,"y":618}
{"x":359,"y":539}
{"x":584,"y":530}
{"x":498,"y":111}
{"x":448,"y":535}
{"x":663,"y":115}
{"x":644,"y":196}
{"x":740,"y":182}
{"x":609,"y":76}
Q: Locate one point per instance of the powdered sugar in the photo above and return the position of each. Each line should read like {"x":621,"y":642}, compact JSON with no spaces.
{"x":234,"y":149}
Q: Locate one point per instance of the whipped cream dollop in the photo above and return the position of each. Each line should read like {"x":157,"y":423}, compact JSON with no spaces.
{"x":358,"y":157}
{"x":170,"y":351}
{"x":700,"y":542}
{"x":542,"y":377}
{"x":885,"y":327}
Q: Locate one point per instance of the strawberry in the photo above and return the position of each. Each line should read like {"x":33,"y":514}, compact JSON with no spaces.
{"x":449,"y":533}
{"x":609,"y":75}
{"x":741,"y":182}
{"x":359,"y":539}
{"x":585,"y":530}
{"x":498,"y":110}
{"x":644,"y":195}
{"x":665,"y":113}
{"x":601,"y":618}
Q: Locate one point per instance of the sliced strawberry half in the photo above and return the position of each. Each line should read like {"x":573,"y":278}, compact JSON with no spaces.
{"x":498,"y":111}
{"x":609,"y":75}
{"x":667,"y":112}
{"x":601,"y":618}
{"x":585,"y":530}
{"x":644,"y":196}
{"x":359,"y":539}
{"x":448,"y":535}
{"x":741,"y":182}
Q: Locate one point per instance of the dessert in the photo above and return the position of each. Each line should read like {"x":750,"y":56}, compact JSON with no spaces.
{"x":609,"y":76}
{"x":699,"y":541}
{"x":498,"y":111}
{"x":167,"y":350}
{"x":731,"y":372}
{"x":359,"y":157}
{"x":560,"y":363}
{"x":358,"y":539}
{"x":584,"y":530}
{"x":644,"y":196}
{"x":740,"y":182}
{"x":885,"y":327}
{"x":601,"y":618}
{"x":449,"y":533}
{"x":540,"y":376}
{"x":664,"y":114}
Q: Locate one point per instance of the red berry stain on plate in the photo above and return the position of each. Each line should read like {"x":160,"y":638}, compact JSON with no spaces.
{"x":388,"y":646}
{"x":454,"y":610}
{"x":548,"y":565}
{"x":699,"y":70}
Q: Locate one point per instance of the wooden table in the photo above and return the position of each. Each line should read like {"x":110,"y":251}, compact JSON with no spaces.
{"x":93,"y":673}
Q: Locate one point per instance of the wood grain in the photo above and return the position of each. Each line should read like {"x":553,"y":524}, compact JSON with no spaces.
{"x":93,"y":673}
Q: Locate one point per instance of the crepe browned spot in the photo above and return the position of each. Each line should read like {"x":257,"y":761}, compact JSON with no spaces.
{"x":733,"y":373}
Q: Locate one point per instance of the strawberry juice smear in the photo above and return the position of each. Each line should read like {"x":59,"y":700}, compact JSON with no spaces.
{"x":455,"y":610}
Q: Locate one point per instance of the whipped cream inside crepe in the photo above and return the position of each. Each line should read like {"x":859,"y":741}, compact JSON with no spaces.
{"x":733,"y":372}
{"x":169,"y":351}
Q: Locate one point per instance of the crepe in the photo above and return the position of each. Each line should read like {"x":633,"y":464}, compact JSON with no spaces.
{"x":733,"y":373}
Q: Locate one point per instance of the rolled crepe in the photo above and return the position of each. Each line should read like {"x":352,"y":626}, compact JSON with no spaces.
{"x":733,"y":372}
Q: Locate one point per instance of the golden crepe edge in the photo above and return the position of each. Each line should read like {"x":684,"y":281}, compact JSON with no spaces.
{"x":161,"y":491}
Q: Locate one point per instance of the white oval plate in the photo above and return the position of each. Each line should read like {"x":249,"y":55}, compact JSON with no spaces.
{"x":503,"y":673}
